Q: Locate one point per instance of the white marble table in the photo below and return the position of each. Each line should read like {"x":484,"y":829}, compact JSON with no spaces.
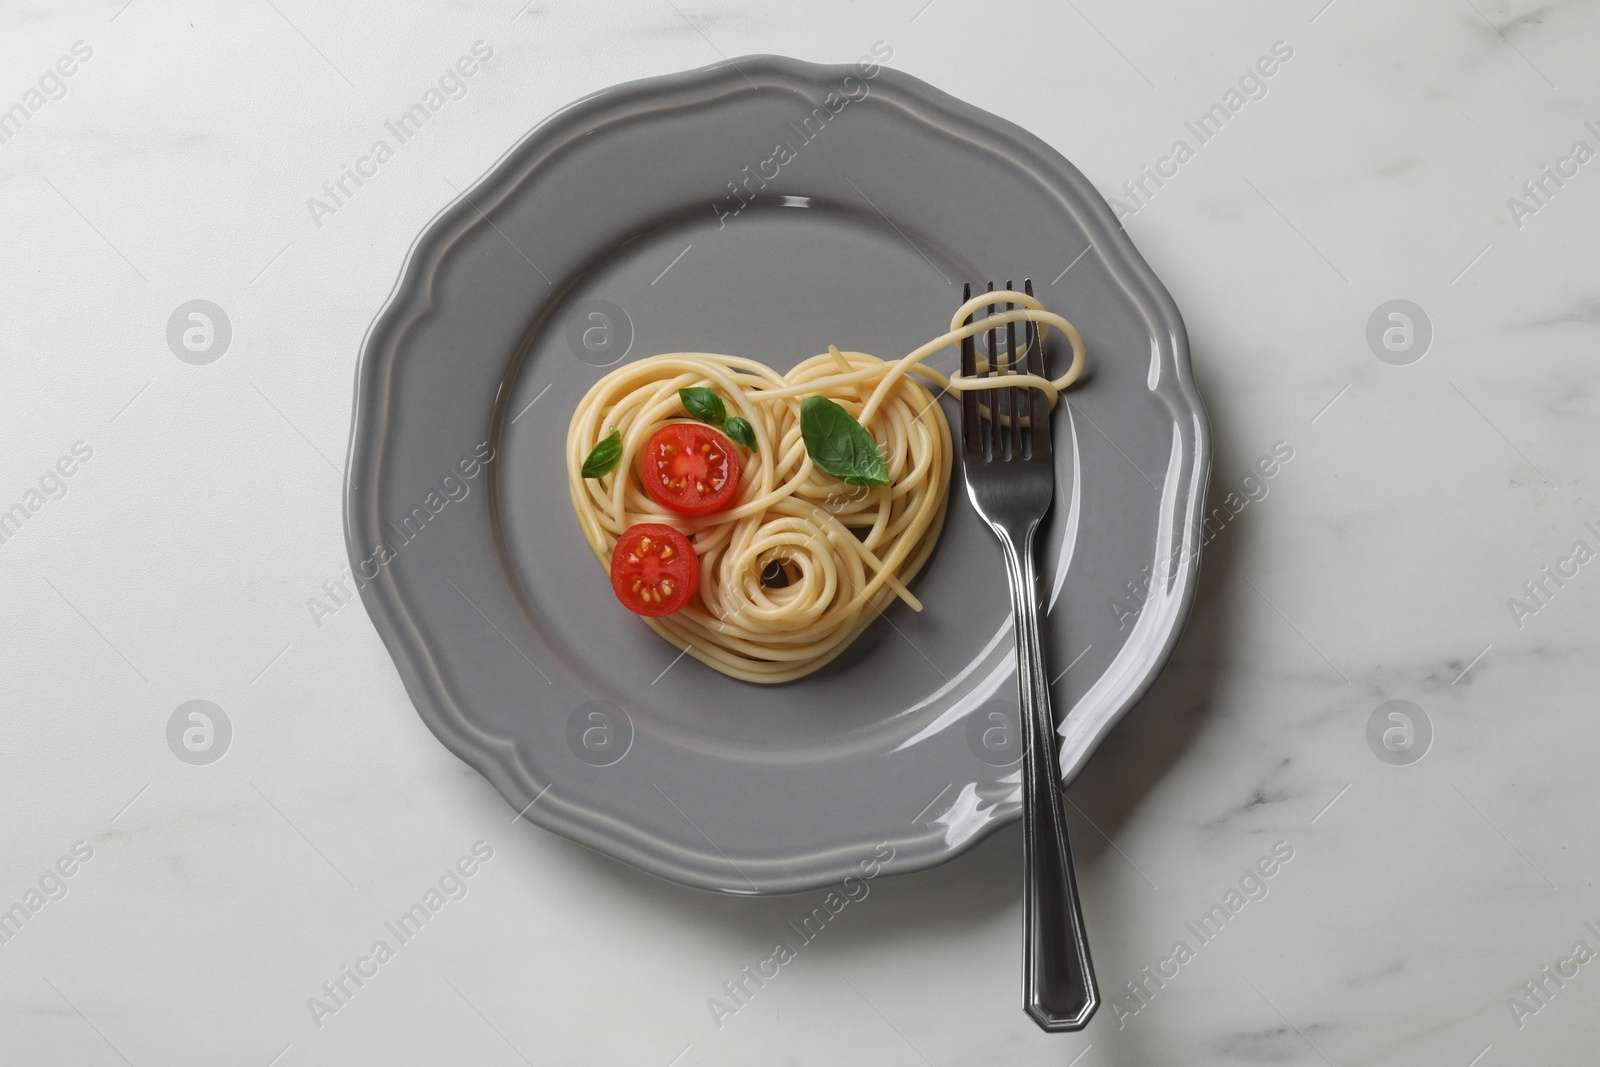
{"x":176,"y":519}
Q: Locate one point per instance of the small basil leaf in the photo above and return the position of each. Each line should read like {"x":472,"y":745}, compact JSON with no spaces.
{"x":603,"y":460}
{"x":741,"y":431}
{"x":703,"y":405}
{"x":839,"y":445}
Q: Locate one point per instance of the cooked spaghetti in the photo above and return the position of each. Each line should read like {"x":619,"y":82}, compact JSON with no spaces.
{"x":798,"y":563}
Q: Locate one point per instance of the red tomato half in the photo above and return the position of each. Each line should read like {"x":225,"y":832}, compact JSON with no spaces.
{"x":689,"y":468}
{"x":654,"y":570}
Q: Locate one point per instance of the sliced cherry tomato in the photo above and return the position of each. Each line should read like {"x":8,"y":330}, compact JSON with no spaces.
{"x":690,"y":468}
{"x":654,"y":570}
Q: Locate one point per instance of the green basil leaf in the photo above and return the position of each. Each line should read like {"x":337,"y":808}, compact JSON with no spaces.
{"x":839,"y":445}
{"x":703,"y":405}
{"x":741,"y":431}
{"x":605,"y":457}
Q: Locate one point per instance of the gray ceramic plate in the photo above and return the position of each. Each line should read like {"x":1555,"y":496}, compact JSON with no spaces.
{"x":767,"y":207}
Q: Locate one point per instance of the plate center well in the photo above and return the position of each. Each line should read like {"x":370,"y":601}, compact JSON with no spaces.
{"x":779,"y":282}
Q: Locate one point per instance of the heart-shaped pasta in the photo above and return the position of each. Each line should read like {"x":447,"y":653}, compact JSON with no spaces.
{"x":799,"y":563}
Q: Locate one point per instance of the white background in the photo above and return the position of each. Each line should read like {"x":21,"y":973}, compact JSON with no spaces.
{"x":179,"y":562}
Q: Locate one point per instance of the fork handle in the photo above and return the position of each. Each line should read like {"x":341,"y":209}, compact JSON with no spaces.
{"x":1058,"y":984}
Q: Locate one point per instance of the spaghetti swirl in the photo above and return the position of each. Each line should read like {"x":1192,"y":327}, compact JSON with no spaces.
{"x":799,"y":563}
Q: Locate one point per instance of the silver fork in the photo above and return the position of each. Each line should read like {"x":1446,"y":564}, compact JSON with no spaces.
{"x":1011,"y":479}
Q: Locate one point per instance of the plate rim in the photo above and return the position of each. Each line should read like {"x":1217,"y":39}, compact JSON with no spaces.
{"x":412,"y":297}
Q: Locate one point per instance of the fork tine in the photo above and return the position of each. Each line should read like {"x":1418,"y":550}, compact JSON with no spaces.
{"x":1039,"y":410}
{"x":1013,"y":396}
{"x":971,"y":427}
{"x":992,"y":336}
